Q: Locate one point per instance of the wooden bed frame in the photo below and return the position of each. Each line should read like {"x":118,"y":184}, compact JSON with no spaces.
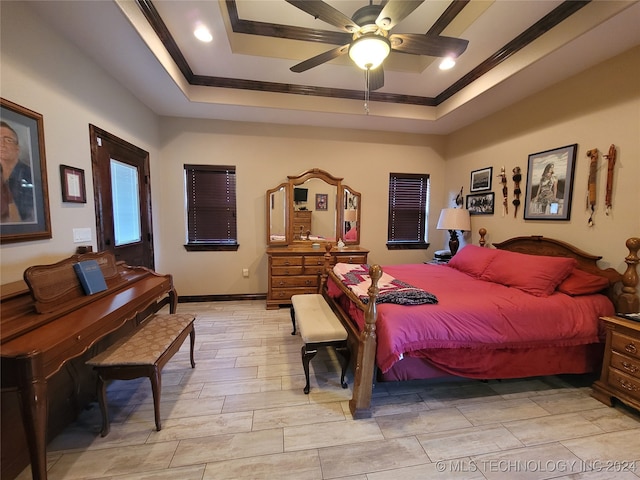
{"x":622,"y":292}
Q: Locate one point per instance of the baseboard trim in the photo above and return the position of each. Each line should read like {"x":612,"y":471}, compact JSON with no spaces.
{"x":221,"y":298}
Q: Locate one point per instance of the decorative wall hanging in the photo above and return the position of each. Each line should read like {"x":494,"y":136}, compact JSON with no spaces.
{"x":550,"y":184}
{"x":73,"y":187}
{"x":481,"y":203}
{"x":24,"y":205}
{"x":459,"y":201}
{"x":505,"y":191}
{"x":481,"y":179}
{"x":611,"y":159}
{"x":591,"y":185}
{"x":517,"y":177}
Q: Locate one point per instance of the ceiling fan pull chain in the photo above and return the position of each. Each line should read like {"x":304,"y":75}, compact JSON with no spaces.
{"x":366,"y":91}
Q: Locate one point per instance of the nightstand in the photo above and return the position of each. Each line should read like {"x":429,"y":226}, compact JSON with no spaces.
{"x":620,"y":377}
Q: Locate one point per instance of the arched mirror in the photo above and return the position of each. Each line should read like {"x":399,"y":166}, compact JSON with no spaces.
{"x":314,"y":207}
{"x":277,"y":215}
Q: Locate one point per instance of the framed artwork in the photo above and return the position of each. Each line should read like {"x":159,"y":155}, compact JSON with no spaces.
{"x":481,"y":203}
{"x":321,"y":201}
{"x":73,"y":188}
{"x":481,"y":179}
{"x":550,"y":184}
{"x":24,"y":206}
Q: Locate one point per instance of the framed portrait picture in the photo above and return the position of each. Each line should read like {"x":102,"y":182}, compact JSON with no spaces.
{"x":550,"y":184}
{"x":73,"y":187}
{"x":481,"y":179}
{"x":481,"y":203}
{"x":321,"y":201}
{"x":24,"y":207}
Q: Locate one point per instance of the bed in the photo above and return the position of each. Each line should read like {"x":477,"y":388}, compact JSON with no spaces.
{"x":528,"y":307}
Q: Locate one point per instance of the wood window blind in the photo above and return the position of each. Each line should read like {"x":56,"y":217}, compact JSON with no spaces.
{"x":408,"y":210}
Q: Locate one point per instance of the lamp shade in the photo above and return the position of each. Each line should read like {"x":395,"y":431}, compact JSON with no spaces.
{"x":350,"y":215}
{"x":369,"y":51}
{"x":454,"y":219}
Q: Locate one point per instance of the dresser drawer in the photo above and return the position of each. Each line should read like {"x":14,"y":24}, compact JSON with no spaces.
{"x":286,"y":261}
{"x":625,"y":344}
{"x":313,"y":260}
{"x":355,"y":259}
{"x":628,"y":365}
{"x":285,"y":271}
{"x":297,"y":281}
{"x":287,"y":293}
{"x":624,"y":383}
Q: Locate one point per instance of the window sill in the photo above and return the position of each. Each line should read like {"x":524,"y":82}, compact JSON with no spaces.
{"x":407,"y":245}
{"x":211,"y":247}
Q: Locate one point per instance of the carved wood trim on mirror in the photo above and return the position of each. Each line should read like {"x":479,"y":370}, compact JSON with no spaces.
{"x":313,"y":207}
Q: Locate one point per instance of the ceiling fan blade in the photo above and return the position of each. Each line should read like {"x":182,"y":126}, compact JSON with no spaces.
{"x":320,"y":59}
{"x":326,"y":13}
{"x":430,"y":45}
{"x":376,"y":78}
{"x":394,"y":11}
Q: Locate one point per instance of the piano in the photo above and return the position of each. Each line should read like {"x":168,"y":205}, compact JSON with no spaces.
{"x":48,"y":329}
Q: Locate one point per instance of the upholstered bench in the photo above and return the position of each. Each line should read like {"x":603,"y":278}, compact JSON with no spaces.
{"x":143,"y":354}
{"x":319,"y":327}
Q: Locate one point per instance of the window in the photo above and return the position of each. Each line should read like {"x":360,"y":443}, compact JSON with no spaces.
{"x":408,"y":210}
{"x":211,"y":207}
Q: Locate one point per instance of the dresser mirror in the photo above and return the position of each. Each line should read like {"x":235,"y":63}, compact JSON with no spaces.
{"x":314,"y":207}
{"x":277,"y":215}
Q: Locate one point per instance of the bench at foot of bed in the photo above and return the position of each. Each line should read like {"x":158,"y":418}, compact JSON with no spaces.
{"x":319,"y":327}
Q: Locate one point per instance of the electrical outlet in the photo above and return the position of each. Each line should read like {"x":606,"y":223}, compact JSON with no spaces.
{"x":245,"y":272}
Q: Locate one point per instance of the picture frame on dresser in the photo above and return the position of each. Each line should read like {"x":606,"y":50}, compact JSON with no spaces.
{"x":25,"y":193}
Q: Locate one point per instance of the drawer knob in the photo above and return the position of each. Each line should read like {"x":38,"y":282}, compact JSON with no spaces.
{"x":287,"y":263}
{"x":627,"y":385}
{"x":629,"y":367}
{"x":307,"y":282}
{"x":281,"y":284}
{"x":631,"y":348}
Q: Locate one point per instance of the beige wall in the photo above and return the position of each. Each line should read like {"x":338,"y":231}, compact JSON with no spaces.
{"x":264,"y":155}
{"x":594,"y":109}
{"x":45,"y":73}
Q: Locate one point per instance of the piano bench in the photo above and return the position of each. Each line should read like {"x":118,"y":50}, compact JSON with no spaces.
{"x":143,"y":353}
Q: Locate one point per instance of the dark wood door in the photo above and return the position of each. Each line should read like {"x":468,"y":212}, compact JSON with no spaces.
{"x":122,"y":193}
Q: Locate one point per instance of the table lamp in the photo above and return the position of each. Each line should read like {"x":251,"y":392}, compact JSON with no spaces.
{"x":454,"y":219}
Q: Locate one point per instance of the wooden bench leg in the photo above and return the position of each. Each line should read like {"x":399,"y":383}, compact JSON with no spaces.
{"x":293,"y":319}
{"x":102,"y":400}
{"x":307,"y":355}
{"x":192,"y":336}
{"x":345,"y":356}
{"x":156,"y":385}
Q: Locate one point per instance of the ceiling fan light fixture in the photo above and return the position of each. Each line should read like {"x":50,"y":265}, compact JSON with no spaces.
{"x":447,"y":63}
{"x":369,"y":51}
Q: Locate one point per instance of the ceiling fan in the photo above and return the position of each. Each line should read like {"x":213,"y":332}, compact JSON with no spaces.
{"x":372,"y":42}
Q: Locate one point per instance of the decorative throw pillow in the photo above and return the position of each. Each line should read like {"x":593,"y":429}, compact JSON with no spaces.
{"x":538,"y":275}
{"x":580,"y":282}
{"x":472,"y":260}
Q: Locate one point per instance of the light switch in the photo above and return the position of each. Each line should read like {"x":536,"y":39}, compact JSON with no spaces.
{"x":81,"y":235}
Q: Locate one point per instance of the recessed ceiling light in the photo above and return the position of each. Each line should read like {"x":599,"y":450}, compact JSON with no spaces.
{"x":203,"y":34}
{"x":447,"y":63}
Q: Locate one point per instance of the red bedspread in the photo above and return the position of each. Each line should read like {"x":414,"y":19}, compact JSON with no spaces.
{"x":478,"y":315}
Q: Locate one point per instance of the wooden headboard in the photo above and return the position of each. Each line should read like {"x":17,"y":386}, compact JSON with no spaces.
{"x":625,"y":298}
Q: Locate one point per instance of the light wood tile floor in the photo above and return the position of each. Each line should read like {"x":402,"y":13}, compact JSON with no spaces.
{"x":242,"y":414}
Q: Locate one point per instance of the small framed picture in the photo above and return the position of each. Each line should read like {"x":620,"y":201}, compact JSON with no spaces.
{"x":481,"y":203}
{"x":550,"y":184}
{"x":321,"y":201}
{"x":481,"y":179}
{"x":73,"y":187}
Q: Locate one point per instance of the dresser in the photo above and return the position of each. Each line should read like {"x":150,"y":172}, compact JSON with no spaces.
{"x":295,"y":269}
{"x":620,"y":377}
{"x":301,"y":223}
